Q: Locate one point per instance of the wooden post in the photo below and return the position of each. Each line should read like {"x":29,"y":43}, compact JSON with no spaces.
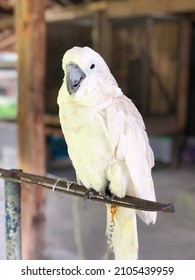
{"x":146,"y":57}
{"x":30,"y":34}
{"x":102,"y":38}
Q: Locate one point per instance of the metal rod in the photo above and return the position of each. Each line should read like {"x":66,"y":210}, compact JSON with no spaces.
{"x":13,"y":220}
{"x":74,"y":189}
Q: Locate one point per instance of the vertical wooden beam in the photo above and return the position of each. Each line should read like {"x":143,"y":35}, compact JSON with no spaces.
{"x":183,"y":72}
{"x":182,"y":86}
{"x":102,"y":35}
{"x":146,"y":72}
{"x":31,"y":33}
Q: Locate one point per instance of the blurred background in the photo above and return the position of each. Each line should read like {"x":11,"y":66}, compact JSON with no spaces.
{"x":150,"y":49}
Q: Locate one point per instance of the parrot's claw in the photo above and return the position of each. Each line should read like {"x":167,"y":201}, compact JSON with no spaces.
{"x":106,"y":193}
{"x":89,"y":193}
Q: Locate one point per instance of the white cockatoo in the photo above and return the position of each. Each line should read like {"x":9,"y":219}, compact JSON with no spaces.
{"x":107,"y":143}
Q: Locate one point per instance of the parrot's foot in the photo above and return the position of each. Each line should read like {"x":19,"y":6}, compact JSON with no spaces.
{"x":89,"y":193}
{"x":106,"y":193}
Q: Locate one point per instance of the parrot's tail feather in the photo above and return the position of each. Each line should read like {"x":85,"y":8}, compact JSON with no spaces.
{"x":122,"y":233}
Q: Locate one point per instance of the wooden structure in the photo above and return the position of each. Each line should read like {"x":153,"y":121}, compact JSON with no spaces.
{"x":98,"y":19}
{"x":111,"y":24}
{"x":31,"y":38}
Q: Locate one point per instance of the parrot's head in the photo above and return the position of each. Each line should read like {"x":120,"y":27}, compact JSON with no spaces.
{"x":85,"y":70}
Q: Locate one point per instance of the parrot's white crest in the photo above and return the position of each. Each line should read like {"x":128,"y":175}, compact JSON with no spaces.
{"x":107,"y":143}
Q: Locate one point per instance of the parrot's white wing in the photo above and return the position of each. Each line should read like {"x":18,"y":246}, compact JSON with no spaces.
{"x":129,"y":144}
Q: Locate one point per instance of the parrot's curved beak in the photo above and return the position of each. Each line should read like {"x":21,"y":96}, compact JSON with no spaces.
{"x":74,"y":77}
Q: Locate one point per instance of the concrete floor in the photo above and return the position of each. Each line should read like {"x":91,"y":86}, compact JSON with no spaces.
{"x":172,"y":237}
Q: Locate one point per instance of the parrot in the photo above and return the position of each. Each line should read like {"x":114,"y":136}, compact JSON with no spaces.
{"x":107,"y":144}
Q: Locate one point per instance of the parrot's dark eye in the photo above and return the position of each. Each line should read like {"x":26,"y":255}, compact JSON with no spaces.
{"x":92,"y":66}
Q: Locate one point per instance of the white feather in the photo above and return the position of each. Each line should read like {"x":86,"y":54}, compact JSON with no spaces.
{"x":131,"y":144}
{"x":124,"y":239}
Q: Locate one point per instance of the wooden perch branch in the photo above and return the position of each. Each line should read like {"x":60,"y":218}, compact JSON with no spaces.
{"x":74,"y":189}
